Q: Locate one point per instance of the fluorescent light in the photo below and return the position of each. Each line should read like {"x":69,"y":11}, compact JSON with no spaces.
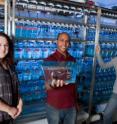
{"x":81,"y":1}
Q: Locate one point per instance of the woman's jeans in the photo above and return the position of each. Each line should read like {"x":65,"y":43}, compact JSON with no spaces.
{"x":60,"y":116}
{"x":110,"y":109}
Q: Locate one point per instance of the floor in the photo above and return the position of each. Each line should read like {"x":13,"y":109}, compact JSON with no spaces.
{"x":43,"y":121}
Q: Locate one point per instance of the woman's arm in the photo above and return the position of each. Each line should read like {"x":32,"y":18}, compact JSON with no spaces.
{"x":12,"y":111}
{"x":100,"y":60}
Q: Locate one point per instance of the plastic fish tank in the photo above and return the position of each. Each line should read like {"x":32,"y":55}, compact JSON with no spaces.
{"x":66,"y":71}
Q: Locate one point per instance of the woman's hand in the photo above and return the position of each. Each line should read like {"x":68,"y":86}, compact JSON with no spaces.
{"x":19,"y":108}
{"x":12,"y":111}
{"x":97,"y":49}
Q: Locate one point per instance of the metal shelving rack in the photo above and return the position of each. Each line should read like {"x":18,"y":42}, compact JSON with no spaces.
{"x":109,"y":28}
{"x":11,"y":20}
{"x":80,"y":8}
{"x":2,"y":13}
{"x":6,"y":18}
{"x":94,"y":65}
{"x":44,"y":8}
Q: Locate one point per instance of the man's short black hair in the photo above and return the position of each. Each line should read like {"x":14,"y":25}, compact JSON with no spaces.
{"x":64,"y":33}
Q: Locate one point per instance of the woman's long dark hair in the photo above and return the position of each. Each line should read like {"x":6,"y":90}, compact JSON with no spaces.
{"x":9,"y":56}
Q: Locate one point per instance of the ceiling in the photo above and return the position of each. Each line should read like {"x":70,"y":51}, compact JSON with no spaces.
{"x":106,"y":3}
{"x":102,"y":3}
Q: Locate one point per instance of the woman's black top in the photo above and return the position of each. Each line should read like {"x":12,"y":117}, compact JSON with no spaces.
{"x":8,"y":90}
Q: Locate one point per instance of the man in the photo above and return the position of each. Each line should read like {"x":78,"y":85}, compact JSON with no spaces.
{"x":61,"y":97}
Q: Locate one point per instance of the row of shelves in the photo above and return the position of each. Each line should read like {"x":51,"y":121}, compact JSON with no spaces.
{"x":36,"y":27}
{"x":64,"y":21}
{"x":64,"y":6}
{"x":90,"y":52}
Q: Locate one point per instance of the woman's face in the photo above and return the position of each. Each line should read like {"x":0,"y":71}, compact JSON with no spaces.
{"x":4,"y":47}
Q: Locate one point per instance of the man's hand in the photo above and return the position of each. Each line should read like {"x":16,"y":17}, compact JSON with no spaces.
{"x":58,"y":83}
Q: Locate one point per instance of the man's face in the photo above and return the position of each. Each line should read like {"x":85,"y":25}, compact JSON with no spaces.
{"x":63,"y":42}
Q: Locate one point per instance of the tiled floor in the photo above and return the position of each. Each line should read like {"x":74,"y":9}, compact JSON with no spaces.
{"x":43,"y":121}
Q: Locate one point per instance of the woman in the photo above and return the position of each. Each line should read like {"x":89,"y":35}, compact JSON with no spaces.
{"x":112,"y":104}
{"x":10,"y":102}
